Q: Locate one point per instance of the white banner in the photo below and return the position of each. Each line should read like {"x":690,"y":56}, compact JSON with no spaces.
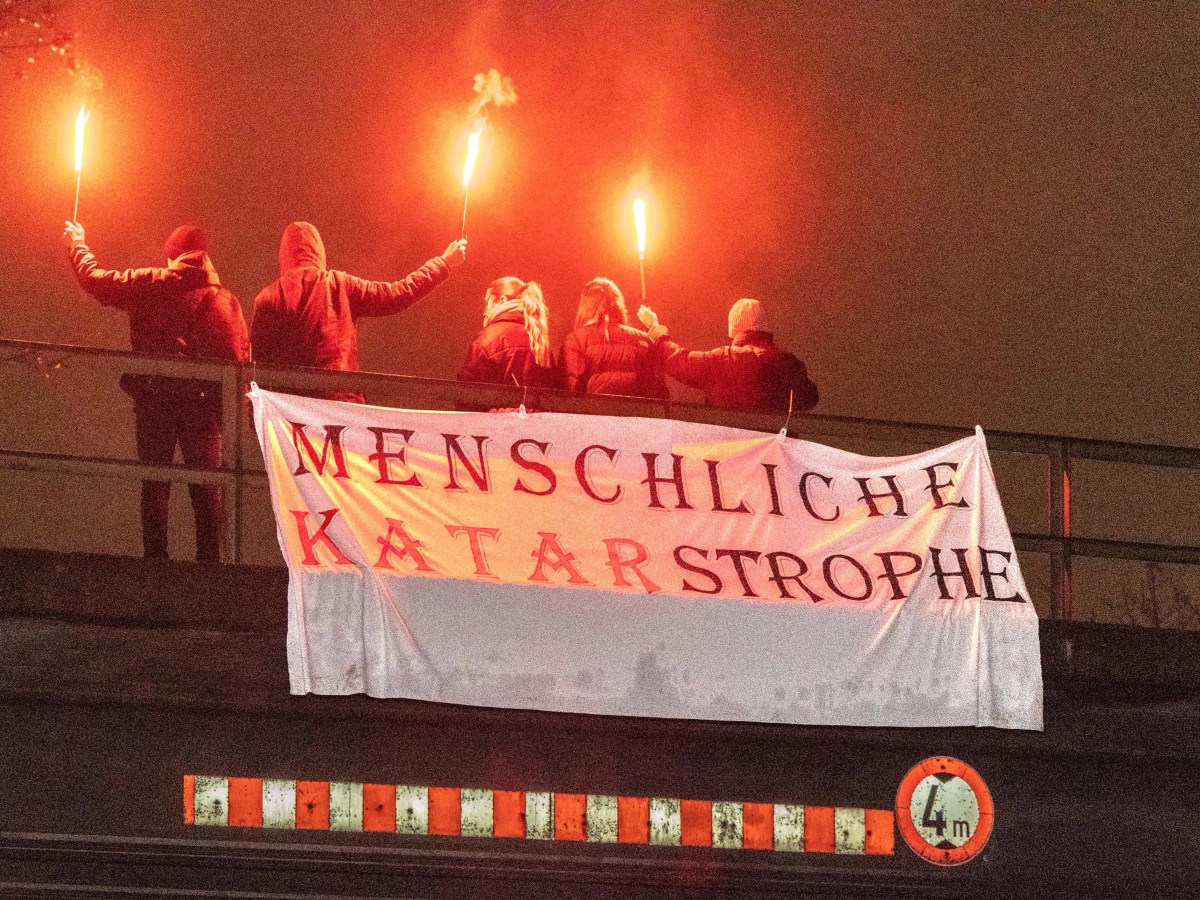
{"x":644,"y":567}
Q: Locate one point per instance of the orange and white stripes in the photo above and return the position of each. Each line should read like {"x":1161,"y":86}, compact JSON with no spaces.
{"x":534,"y":815}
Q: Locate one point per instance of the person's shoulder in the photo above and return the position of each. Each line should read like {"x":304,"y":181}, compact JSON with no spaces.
{"x":781,"y":359}
{"x":225,"y":296}
{"x":269,"y":294}
{"x":787,"y":355}
{"x":498,"y":331}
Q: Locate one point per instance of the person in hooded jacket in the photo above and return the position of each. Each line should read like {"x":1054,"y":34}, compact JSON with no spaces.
{"x":309,"y":315}
{"x":750,"y":372}
{"x":514,"y":346}
{"x":603,"y":355}
{"x":179,"y":310}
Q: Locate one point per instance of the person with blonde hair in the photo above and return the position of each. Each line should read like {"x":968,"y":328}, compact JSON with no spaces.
{"x":514,"y":346}
{"x":603,"y":354}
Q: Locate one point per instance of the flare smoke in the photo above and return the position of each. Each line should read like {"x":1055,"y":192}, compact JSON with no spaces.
{"x":492,"y":89}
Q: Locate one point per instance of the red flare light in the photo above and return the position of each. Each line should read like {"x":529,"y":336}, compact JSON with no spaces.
{"x":472,"y":152}
{"x":80,"y":122}
{"x":639,"y":223}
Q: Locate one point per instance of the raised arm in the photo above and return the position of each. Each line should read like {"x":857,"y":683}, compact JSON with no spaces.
{"x":694,"y":368}
{"x":111,"y":287}
{"x":382,"y":298}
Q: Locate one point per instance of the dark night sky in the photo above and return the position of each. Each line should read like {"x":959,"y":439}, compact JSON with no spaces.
{"x":955,"y":214}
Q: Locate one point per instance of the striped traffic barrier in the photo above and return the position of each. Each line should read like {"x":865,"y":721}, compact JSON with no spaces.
{"x":217,"y":800}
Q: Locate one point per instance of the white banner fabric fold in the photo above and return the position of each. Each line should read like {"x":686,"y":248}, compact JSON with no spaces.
{"x":645,"y":567}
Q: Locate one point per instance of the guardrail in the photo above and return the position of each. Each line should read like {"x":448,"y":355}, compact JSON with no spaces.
{"x":241,"y":465}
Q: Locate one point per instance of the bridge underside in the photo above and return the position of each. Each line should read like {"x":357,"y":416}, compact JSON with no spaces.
{"x":118,"y":678}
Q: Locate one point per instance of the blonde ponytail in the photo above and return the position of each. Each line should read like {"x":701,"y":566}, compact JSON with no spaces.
{"x":506,"y":293}
{"x":537,"y":324}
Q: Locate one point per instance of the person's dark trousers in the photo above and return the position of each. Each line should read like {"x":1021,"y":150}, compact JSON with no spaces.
{"x":162,"y":421}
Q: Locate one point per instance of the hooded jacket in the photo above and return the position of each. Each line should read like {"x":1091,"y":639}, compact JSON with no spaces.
{"x":179,"y":310}
{"x":611,"y":358}
{"x":749,"y":373}
{"x":308,"y":316}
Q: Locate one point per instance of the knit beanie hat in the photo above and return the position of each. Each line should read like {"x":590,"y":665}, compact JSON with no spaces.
{"x":185,"y":239}
{"x":746,"y":315}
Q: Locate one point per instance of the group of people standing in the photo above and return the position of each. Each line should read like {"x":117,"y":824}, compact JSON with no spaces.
{"x":308,"y":317}
{"x":604,"y":354}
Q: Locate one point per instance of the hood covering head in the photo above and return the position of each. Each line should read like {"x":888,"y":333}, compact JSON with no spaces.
{"x":746,"y":315}
{"x":301,"y":247}
{"x":186,"y":239}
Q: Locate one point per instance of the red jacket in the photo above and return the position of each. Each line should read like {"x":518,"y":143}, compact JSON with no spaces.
{"x":309,"y":315}
{"x":612,"y":359}
{"x":750,"y":373}
{"x":180,"y":310}
{"x":500,"y":354}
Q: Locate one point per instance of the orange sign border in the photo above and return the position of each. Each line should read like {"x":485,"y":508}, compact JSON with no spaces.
{"x":913,"y":838}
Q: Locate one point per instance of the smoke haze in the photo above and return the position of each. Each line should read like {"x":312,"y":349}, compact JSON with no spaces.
{"x":953,"y":215}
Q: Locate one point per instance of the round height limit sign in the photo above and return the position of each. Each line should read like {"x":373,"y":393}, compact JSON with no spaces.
{"x":944,"y":811}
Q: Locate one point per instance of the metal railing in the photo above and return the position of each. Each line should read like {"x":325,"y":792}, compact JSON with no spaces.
{"x":242,"y":465}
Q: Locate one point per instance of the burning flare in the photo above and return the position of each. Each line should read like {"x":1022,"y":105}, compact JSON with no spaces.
{"x":80,"y":122}
{"x":472,"y":152}
{"x":639,"y":222}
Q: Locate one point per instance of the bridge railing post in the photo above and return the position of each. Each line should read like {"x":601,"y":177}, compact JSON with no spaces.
{"x":1059,"y":526}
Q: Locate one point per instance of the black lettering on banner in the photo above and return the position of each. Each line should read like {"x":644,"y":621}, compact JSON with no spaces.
{"x":653,"y":480}
{"x":381,"y":456}
{"x":714,"y":481}
{"x":737,"y":556}
{"x":479,"y":474}
{"x":775,"y":510}
{"x":869,"y":497}
{"x":781,"y":578}
{"x":987,"y":575}
{"x":804,"y":498}
{"x":697,"y":570}
{"x":893,"y":577}
{"x":533,"y":466}
{"x":935,"y":486}
{"x":943,"y":575}
{"x":858,"y":567}
{"x":333,"y":440}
